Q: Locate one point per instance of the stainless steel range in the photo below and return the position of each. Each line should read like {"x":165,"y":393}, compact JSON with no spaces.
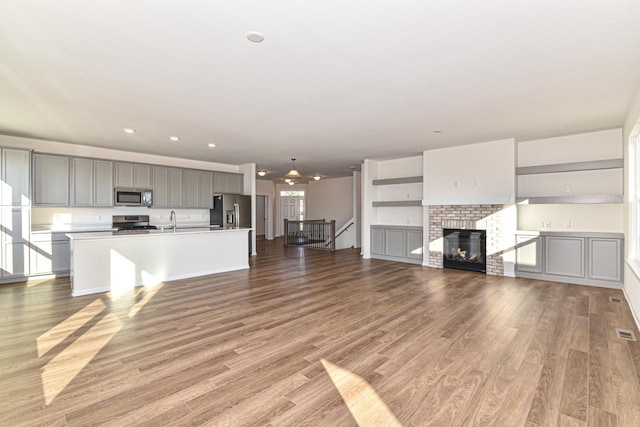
{"x":132,"y":223}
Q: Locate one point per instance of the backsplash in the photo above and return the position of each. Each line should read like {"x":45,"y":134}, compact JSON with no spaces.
{"x":62,"y":218}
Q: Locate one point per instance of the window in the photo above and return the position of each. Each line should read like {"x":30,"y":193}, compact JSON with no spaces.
{"x":299,"y":193}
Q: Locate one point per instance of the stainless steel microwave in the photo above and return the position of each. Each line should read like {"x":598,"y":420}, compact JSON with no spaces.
{"x":133,"y":197}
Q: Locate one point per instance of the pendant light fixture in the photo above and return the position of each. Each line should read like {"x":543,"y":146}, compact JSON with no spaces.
{"x":293,"y":173}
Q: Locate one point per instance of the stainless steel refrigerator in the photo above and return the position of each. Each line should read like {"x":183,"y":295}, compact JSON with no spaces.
{"x":231,"y":210}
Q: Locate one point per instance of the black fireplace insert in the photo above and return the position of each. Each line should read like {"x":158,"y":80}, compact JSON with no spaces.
{"x":464,"y":249}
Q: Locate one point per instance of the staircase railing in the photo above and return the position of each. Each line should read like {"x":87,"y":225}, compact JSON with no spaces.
{"x":342,"y":230}
{"x":315,"y":234}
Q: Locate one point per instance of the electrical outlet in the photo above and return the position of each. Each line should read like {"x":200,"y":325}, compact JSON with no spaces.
{"x":566,"y":189}
{"x":99,"y":217}
{"x":547,"y":224}
{"x":475,"y":182}
{"x":567,"y":224}
{"x":408,"y":195}
{"x":455,"y":183}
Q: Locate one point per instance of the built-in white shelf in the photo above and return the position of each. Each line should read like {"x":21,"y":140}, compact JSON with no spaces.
{"x":397,"y":203}
{"x":403,"y":180}
{"x":587,"y":199}
{"x":571,"y":167}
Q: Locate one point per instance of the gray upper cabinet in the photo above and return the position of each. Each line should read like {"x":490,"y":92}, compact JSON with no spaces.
{"x":103,"y":183}
{"x":205,"y":190}
{"x":141,"y":176}
{"x":133,"y":175}
{"x":81,"y":182}
{"x":124,"y":174}
{"x":15,"y":177}
{"x":50,"y":180}
{"x":91,"y":182}
{"x":160,"y":187}
{"x":167,"y":187}
{"x":228,"y":183}
{"x":191,"y":190}
{"x":175,"y":178}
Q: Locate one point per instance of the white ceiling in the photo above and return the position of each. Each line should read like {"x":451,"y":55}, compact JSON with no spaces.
{"x":333,"y":83}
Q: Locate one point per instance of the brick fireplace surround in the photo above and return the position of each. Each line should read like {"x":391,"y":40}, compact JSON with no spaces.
{"x":478,"y":217}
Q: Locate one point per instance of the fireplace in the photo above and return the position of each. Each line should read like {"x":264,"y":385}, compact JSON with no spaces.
{"x":464,"y":249}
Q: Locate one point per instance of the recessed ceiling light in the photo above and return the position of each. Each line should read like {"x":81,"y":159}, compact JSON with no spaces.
{"x":437,"y":131}
{"x":211,"y":145}
{"x":174,"y":138}
{"x":255,"y":36}
{"x":129,"y":130}
{"x":316,"y":177}
{"x":262,"y":173}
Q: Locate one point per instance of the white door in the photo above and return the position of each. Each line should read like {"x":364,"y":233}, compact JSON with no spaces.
{"x":290,"y":208}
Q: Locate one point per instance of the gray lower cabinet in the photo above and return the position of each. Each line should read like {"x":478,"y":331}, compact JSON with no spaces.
{"x":224,"y":182}
{"x":564,"y":256}
{"x":529,"y":254}
{"x":50,"y":254}
{"x":579,"y":258}
{"x":605,"y":259}
{"x":397,"y":243}
{"x":14,"y":242}
{"x":377,"y":241}
{"x":50,"y":180}
{"x":14,"y":171}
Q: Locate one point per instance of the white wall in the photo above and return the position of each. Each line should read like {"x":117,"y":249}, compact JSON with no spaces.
{"x":331,"y":199}
{"x":268,"y":189}
{"x":631,"y":133}
{"x":470,"y":174}
{"x":357,"y":207}
{"x":604,"y":218}
{"x":591,"y":146}
{"x":583,"y":147}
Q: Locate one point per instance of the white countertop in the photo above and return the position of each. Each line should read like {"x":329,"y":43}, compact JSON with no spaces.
{"x":152,"y":233}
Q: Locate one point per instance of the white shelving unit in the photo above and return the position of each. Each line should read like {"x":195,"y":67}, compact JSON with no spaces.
{"x":554,"y":184}
{"x":392,"y":210}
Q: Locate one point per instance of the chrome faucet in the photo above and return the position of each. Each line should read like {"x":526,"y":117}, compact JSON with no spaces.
{"x":172,"y":218}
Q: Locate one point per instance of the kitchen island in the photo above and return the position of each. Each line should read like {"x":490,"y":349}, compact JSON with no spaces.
{"x":115,"y":261}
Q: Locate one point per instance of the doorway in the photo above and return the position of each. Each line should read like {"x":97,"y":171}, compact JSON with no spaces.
{"x":291,"y":206}
{"x":261,"y":217}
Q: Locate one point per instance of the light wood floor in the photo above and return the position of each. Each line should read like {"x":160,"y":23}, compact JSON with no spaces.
{"x":319,"y":339}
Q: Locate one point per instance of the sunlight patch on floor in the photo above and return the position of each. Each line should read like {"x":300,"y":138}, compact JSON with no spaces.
{"x":67,"y":327}
{"x":67,"y":364}
{"x":365,"y":405}
{"x":149,"y":293}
